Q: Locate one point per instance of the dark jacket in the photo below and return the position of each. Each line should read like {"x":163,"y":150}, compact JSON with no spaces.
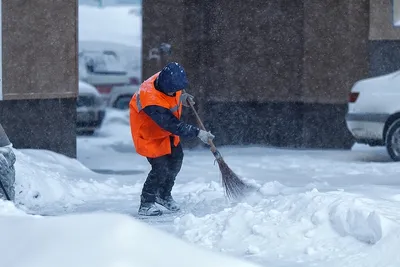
{"x":166,"y":120}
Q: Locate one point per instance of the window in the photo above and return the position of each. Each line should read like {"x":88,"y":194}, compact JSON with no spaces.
{"x":396,"y":13}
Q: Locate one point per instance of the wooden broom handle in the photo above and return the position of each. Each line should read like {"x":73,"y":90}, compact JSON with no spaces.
{"x":210,"y":142}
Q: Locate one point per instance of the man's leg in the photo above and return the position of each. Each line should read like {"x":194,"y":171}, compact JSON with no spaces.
{"x":155,"y":178}
{"x":174,"y":166}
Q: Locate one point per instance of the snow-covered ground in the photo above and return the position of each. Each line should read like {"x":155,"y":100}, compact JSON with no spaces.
{"x":315,"y":207}
{"x":67,"y":215}
{"x":319,"y":207}
{"x":100,"y":239}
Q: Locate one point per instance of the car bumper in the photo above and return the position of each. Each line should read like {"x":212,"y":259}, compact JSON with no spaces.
{"x":366,"y":126}
{"x":89,"y":119}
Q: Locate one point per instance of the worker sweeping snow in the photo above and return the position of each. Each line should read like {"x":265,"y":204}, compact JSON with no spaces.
{"x":156,"y":128}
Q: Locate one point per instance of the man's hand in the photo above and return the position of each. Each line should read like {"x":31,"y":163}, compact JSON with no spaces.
{"x":205,"y":136}
{"x":187,"y":97}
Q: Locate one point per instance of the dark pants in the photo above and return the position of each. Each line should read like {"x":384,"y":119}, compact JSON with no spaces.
{"x":161,"y":178}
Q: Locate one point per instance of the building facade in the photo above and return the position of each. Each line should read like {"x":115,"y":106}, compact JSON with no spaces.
{"x":40,"y":74}
{"x":273,"y":72}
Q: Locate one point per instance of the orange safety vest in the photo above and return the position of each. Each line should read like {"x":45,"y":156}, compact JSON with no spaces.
{"x":149,"y":139}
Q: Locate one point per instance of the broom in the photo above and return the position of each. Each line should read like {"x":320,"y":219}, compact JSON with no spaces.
{"x":234,"y":187}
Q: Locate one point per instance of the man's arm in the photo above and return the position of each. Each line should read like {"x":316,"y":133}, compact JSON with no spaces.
{"x":166,"y":120}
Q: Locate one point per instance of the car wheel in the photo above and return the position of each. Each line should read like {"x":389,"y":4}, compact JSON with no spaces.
{"x":392,"y":140}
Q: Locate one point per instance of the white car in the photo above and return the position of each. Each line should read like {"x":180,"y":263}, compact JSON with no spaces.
{"x":105,"y":71}
{"x":373,"y":115}
{"x":90,"y":109}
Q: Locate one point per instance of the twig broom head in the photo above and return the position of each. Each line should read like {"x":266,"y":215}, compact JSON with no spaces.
{"x":234,"y":187}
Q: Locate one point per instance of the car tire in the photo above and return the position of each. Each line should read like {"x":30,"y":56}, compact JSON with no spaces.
{"x":392,"y":140}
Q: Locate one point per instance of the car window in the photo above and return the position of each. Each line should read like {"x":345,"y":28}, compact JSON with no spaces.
{"x":101,"y":62}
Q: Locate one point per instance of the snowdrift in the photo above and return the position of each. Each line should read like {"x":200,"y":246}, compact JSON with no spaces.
{"x":299,"y":227}
{"x":315,"y":209}
{"x":50,"y":183}
{"x":101,"y":240}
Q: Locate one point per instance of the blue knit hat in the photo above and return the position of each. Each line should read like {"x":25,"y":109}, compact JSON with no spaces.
{"x":172,"y":78}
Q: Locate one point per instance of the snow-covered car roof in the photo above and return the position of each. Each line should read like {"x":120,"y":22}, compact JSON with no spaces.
{"x":85,"y":88}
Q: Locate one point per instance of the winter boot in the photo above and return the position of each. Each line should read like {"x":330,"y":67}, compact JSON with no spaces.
{"x":149,"y":209}
{"x":168,"y":202}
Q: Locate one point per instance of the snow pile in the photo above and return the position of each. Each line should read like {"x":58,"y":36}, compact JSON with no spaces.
{"x":47,"y":182}
{"x":316,"y":208}
{"x":302,"y":227}
{"x":101,"y":240}
{"x":8,"y":209}
{"x":363,"y":223}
